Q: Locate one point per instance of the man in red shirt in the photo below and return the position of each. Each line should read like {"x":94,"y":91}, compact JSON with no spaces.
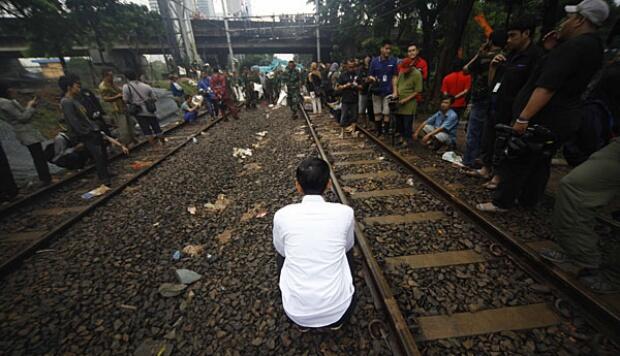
{"x":457,"y":84}
{"x":218,"y":84}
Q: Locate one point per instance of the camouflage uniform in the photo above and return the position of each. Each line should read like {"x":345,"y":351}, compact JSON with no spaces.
{"x":292,"y":80}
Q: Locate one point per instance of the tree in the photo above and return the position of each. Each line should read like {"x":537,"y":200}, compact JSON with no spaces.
{"x":46,"y":24}
{"x":454,"y":25}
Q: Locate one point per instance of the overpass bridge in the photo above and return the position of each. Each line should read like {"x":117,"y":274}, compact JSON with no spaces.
{"x":283,"y":34}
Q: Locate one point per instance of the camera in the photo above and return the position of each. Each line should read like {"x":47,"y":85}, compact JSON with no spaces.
{"x":537,"y":140}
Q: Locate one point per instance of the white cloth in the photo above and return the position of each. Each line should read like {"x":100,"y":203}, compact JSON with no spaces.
{"x":315,"y":281}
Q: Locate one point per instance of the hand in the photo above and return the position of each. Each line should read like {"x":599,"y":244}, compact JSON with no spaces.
{"x":33,"y":102}
{"x":372,"y":79}
{"x":427,"y":138}
{"x":416,"y":135}
{"x":403,"y":101}
{"x":497,"y":60}
{"x":550,"y":40}
{"x":520,"y":128}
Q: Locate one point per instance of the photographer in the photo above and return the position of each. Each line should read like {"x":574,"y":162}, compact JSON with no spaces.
{"x":348,"y":86}
{"x":552,"y":98}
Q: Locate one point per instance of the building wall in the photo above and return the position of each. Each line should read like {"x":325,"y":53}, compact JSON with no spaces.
{"x":206,"y":8}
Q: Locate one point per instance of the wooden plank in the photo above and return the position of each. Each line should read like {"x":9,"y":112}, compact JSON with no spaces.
{"x":357,"y":163}
{"x":22,"y":236}
{"x":372,"y":175}
{"x":486,"y":321}
{"x":58,"y":211}
{"x":430,"y":170}
{"x":350,"y":152}
{"x":406,"y":218}
{"x":440,"y":259}
{"x":383,"y":193}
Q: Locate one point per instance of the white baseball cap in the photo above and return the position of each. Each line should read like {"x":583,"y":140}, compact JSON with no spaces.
{"x":596,"y":11}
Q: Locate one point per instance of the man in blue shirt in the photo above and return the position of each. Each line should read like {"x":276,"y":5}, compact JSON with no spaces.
{"x":440,"y":129}
{"x":381,"y":75}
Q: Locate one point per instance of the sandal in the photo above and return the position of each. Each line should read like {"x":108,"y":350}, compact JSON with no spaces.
{"x":490,"y":208}
{"x":490,"y":185}
{"x":476,"y":173}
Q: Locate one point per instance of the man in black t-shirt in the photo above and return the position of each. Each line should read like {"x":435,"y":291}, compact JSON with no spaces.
{"x":551,"y":98}
{"x":348,"y":86}
{"x":508,"y":72}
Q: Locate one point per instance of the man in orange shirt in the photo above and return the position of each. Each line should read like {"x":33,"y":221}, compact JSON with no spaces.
{"x":457,"y":84}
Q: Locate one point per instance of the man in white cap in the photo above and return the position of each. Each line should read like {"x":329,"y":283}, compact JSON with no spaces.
{"x":552,"y":98}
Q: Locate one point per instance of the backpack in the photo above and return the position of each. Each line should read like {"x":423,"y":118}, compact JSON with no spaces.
{"x":595,"y":131}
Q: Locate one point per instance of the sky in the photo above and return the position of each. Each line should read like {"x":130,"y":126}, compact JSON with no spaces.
{"x":265,"y":7}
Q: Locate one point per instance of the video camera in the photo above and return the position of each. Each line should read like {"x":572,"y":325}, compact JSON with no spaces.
{"x":537,"y":140}
{"x":392,"y":103}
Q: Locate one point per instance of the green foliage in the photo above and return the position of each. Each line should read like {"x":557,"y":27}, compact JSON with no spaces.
{"x":53,"y":27}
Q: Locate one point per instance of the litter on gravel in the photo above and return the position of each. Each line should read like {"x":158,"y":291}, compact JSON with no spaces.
{"x":220,"y":203}
{"x":171,"y":289}
{"x":101,"y":190}
{"x":452,"y":157}
{"x":242,"y":153}
{"x":193,"y":250}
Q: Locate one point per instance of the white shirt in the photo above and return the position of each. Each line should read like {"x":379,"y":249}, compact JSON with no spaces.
{"x":316,"y":282}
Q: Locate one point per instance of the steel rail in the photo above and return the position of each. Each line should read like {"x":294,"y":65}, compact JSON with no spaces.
{"x":8,"y":209}
{"x":599,"y":312}
{"x":10,"y":265}
{"x":405,"y":339}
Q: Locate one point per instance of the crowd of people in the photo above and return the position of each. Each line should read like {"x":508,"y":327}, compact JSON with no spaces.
{"x":526,"y":102}
{"x":522,"y":100}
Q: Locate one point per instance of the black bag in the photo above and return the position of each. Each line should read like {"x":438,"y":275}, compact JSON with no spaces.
{"x":134,"y":109}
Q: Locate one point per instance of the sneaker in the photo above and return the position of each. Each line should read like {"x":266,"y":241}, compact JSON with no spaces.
{"x":600,"y":284}
{"x":555,"y":256}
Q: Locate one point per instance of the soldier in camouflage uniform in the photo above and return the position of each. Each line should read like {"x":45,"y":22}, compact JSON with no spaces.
{"x":292,"y":79}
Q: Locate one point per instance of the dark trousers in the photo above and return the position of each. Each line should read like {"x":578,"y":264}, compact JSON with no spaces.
{"x":149,"y":125}
{"x":40,"y":163}
{"x":347,"y":314}
{"x":8,"y":188}
{"x":348,"y":115}
{"x":475,"y":128}
{"x":229,"y":106}
{"x":524,"y":179}
{"x":404,"y":126}
{"x":96,"y":148}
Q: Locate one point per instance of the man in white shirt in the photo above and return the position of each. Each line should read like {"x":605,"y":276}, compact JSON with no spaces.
{"x":312,"y":239}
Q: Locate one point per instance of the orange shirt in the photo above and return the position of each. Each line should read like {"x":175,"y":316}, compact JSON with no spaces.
{"x":453,"y":84}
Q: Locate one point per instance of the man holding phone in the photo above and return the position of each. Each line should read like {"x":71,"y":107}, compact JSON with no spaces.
{"x":20,"y":118}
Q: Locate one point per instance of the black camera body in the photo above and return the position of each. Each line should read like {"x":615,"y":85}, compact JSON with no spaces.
{"x":537,"y":140}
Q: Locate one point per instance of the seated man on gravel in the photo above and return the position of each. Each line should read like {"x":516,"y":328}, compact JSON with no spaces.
{"x":313,"y":239}
{"x":440,"y":129}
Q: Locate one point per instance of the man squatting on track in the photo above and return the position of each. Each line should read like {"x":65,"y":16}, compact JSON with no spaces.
{"x":313,"y":240}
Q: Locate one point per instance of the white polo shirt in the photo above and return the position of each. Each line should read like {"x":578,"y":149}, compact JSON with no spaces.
{"x":316,"y":282}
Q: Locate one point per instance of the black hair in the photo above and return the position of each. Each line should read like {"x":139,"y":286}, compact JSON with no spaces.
{"x":448,"y":97}
{"x":498,"y":38}
{"x":522,"y":24}
{"x":386,"y":42}
{"x":67,"y":81}
{"x":106,"y":71}
{"x":457,"y":65}
{"x":131,"y":75}
{"x":4,"y":89}
{"x":313,"y":174}
{"x":187,"y":96}
{"x":412,"y":44}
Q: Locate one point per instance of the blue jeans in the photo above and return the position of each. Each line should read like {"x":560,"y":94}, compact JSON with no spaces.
{"x":477,"y":117}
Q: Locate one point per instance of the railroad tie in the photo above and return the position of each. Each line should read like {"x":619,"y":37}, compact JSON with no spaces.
{"x":372,"y":175}
{"x":405,"y":218}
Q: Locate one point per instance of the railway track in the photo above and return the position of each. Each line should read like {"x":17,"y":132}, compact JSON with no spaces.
{"x":33,"y":221}
{"x":450,"y":279}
